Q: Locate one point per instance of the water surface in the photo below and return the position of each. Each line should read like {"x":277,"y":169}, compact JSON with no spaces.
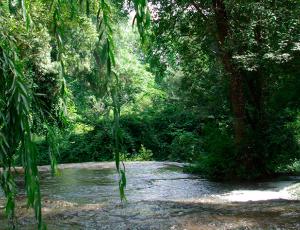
{"x":160,"y":196}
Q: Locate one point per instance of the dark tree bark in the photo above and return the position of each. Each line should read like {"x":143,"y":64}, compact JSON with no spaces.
{"x":236,"y":78}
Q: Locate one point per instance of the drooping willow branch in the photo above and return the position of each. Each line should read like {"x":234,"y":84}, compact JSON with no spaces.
{"x":15,"y":129}
{"x":106,"y":48}
{"x":17,"y":99}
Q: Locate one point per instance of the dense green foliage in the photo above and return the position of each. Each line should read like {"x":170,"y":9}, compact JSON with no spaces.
{"x":237,"y":63}
{"x":213,"y":83}
{"x":41,"y":42}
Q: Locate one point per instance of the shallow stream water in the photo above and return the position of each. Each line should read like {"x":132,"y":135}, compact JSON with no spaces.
{"x":160,"y":196}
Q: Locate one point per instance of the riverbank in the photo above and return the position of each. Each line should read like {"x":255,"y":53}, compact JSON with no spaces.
{"x":271,"y":214}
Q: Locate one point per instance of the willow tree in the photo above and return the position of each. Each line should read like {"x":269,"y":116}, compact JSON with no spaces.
{"x":20,"y":22}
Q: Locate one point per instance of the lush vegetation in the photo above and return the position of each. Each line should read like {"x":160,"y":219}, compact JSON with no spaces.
{"x":214,"y":83}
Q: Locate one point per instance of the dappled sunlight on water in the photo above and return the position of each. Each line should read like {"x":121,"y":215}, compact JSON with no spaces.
{"x":160,"y":196}
{"x":288,"y":190}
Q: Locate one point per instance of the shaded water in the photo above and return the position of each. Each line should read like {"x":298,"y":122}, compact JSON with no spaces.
{"x":160,"y":196}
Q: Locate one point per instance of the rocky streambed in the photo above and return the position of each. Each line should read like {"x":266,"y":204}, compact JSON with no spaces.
{"x":160,"y":196}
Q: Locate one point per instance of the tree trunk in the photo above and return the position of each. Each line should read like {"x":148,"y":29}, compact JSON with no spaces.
{"x":236,"y":78}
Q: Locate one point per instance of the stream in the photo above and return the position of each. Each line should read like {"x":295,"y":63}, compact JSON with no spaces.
{"x":159,"y":196}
